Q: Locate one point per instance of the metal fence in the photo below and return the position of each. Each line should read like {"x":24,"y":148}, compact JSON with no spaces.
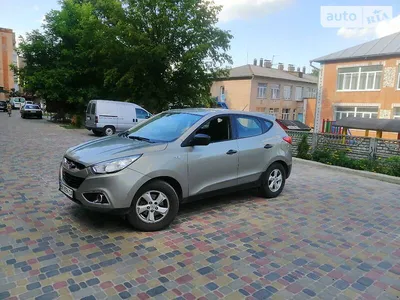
{"x":356,"y":146}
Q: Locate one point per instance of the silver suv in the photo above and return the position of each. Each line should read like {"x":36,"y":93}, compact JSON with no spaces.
{"x":175,"y":157}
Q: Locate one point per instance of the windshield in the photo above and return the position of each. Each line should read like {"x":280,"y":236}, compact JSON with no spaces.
{"x":165,"y":127}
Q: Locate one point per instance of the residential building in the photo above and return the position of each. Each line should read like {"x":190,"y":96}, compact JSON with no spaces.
{"x":265,"y":89}
{"x":361,"y":81}
{"x":7,"y":38}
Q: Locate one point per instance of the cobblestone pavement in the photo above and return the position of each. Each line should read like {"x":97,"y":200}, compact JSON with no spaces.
{"x":329,"y":235}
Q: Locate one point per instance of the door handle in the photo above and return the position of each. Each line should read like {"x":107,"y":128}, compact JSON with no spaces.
{"x":268,"y":146}
{"x":230,"y":152}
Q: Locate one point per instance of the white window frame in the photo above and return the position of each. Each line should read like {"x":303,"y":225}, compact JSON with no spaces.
{"x":285,"y":113}
{"x":398,"y":77}
{"x":301,"y":94}
{"x":397,"y":115}
{"x":263,"y":90}
{"x":353,"y":110}
{"x":275,"y":91}
{"x":368,"y":73}
{"x":287,"y":88}
{"x":274,"y":112}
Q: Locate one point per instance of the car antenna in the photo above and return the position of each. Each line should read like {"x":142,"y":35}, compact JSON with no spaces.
{"x":244,"y":107}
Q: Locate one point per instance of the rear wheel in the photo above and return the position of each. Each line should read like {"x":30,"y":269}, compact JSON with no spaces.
{"x":109,"y":130}
{"x":273,"y":181}
{"x":154,"y":207}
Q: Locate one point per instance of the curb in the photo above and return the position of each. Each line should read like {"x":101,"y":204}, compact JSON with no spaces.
{"x":370,"y":175}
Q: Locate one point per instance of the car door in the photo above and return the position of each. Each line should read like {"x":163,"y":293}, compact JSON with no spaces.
{"x":90,"y":118}
{"x":215,"y":166}
{"x":255,"y":145}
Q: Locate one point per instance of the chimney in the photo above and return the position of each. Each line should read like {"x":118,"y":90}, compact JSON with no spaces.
{"x":291,"y":68}
{"x":267,"y":63}
{"x":255,"y":62}
{"x":261,"y":62}
{"x":280,"y":66}
{"x":304,"y":70}
{"x":298,"y":69}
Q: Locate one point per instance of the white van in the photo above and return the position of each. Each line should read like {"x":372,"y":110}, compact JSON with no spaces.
{"x":17,"y":102}
{"x":105,"y":117}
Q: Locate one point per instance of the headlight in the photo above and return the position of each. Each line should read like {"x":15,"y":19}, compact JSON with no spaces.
{"x":113,"y":166}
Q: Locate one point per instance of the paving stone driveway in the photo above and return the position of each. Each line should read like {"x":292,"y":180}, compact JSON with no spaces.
{"x":329,"y":235}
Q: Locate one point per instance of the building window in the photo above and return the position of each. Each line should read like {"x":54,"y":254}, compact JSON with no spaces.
{"x":398,"y":78}
{"x":367,"y":78}
{"x":287,"y":92}
{"x":294,"y":114}
{"x":262,"y":90}
{"x":274,"y":112}
{"x":356,"y":111}
{"x":299,"y":93}
{"x":275,"y":91}
{"x":285,"y":113}
{"x":396,"y":112}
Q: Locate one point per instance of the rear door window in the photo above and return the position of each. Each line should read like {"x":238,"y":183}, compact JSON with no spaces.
{"x":248,"y":126}
{"x":93,"y":109}
{"x":88,"y":108}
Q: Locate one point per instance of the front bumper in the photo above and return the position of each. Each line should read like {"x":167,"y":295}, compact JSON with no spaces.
{"x":119,"y":188}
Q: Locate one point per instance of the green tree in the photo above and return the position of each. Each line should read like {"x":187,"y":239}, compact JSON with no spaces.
{"x":152,"y":52}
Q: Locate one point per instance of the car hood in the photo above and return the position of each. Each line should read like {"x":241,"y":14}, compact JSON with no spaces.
{"x":109,"y":148}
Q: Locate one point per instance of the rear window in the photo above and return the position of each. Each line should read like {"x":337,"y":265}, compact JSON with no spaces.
{"x":93,"y":109}
{"x":88,"y":108}
{"x":30,"y":106}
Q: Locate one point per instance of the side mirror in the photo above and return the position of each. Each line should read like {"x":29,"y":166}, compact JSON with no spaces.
{"x":148,"y":116}
{"x":200,"y":140}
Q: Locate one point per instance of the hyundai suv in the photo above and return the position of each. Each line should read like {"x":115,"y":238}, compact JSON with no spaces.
{"x":175,"y":157}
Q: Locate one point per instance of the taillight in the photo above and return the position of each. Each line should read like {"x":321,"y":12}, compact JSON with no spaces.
{"x":288,"y":139}
{"x":96,"y":119}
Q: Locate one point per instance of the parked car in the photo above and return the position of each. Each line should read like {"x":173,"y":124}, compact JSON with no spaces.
{"x":31,"y":110}
{"x":17,"y":102}
{"x":175,"y":157}
{"x":105,"y":117}
{"x":3,"y":105}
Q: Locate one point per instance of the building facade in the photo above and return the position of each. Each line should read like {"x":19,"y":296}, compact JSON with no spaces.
{"x":362,"y":81}
{"x":7,"y":38}
{"x":265,"y":89}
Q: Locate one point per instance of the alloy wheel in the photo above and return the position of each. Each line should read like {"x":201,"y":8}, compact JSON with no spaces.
{"x":152,"y":206}
{"x":275,"y":180}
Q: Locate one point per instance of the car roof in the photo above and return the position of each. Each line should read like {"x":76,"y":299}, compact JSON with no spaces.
{"x":220,"y":111}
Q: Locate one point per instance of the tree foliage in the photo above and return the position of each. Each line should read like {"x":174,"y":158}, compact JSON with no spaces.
{"x":152,"y":52}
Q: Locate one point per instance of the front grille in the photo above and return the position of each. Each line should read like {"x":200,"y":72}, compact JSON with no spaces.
{"x":71,"y":180}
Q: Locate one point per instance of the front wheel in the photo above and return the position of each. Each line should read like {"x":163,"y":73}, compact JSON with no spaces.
{"x":154,"y":207}
{"x":273,"y":181}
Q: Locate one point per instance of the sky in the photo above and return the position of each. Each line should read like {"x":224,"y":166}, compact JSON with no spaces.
{"x":287,"y":31}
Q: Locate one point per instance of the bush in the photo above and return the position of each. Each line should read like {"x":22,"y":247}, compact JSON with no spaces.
{"x":388,"y":166}
{"x":303,"y":147}
{"x":77,"y":121}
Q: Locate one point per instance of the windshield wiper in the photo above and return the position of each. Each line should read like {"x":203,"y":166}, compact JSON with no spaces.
{"x":140,"y":138}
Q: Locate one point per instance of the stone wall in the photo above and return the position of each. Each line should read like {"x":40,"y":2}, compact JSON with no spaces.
{"x":357,"y":147}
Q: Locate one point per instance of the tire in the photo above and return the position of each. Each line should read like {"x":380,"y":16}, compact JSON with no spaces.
{"x":109,"y":130}
{"x":268,"y":189}
{"x":155,"y":188}
{"x":22,"y":116}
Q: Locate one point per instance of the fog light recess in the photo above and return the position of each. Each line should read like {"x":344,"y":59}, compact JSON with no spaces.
{"x":96,"y":198}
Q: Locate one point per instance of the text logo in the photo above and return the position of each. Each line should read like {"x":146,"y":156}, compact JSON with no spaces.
{"x":354,"y":16}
